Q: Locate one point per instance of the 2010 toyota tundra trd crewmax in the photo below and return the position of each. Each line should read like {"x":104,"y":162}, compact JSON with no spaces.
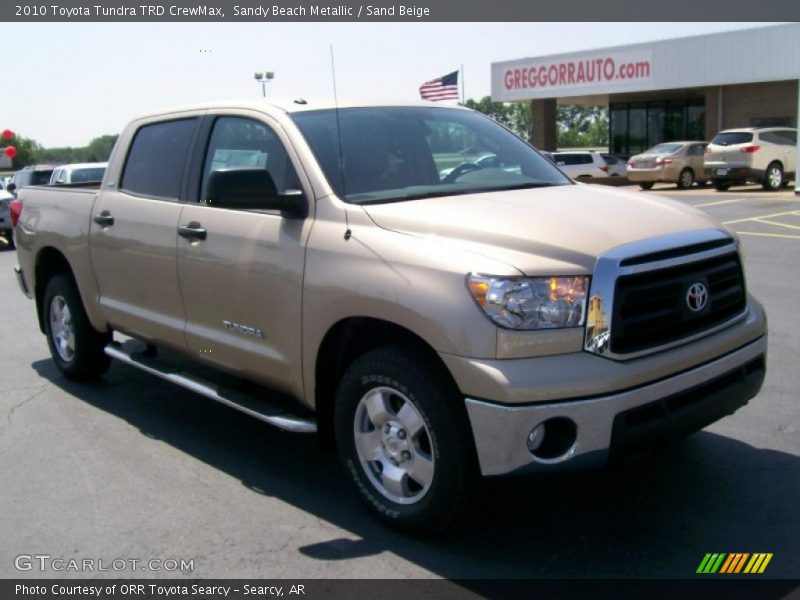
{"x":438,"y":318}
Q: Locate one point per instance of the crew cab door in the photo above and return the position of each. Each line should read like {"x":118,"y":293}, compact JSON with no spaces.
{"x":134,"y":232}
{"x":241,"y":271}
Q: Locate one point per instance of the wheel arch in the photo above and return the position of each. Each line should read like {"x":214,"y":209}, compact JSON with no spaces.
{"x":345,"y":341}
{"x":49,"y":262}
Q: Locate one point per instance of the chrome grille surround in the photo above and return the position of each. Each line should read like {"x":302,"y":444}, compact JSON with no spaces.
{"x":653,"y":254}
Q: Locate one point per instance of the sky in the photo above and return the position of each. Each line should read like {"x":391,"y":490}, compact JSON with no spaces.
{"x":77,"y":81}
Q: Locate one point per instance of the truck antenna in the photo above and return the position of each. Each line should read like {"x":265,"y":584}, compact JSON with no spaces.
{"x":347,"y":233}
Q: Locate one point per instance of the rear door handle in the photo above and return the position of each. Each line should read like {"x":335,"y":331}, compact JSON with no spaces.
{"x":192,"y":231}
{"x":104,"y":219}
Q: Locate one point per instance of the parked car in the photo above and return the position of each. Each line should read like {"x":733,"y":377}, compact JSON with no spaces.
{"x":5,"y":217}
{"x":498,"y":322}
{"x":28,"y":176}
{"x":671,"y":162}
{"x":581,"y":164}
{"x":765,"y":155}
{"x":78,"y":173}
{"x":616,"y":165}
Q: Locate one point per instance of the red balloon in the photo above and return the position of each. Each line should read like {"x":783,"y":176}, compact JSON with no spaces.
{"x":7,"y":134}
{"x":11,"y":152}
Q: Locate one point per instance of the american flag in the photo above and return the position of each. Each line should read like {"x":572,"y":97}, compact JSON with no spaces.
{"x":441,"y":88}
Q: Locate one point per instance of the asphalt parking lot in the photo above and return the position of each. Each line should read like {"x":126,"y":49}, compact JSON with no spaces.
{"x":135,"y":468}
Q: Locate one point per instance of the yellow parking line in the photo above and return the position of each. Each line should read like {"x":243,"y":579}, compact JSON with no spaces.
{"x":718,"y":202}
{"x":777,"y":235}
{"x":780,"y":214}
{"x":777,"y":224}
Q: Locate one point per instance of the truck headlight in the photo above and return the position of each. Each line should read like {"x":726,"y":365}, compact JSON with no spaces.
{"x":531,"y":302}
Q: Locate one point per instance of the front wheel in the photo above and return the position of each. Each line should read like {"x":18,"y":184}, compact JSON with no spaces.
{"x":404,"y":440}
{"x":76,"y":347}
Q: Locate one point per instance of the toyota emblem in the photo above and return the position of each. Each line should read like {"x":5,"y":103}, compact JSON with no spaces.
{"x":697,"y":297}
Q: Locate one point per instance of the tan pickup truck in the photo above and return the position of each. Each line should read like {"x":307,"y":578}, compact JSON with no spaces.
{"x":440,"y":316}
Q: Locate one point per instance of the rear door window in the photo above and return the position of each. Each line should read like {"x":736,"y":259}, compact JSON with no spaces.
{"x":731,"y":138}
{"x":573,"y":159}
{"x":242,"y":142}
{"x":155,"y":162}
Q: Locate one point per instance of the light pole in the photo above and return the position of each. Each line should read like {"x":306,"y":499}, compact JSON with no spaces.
{"x":264,"y":79}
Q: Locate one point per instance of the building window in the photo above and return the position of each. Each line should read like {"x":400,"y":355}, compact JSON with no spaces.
{"x":637,"y":126}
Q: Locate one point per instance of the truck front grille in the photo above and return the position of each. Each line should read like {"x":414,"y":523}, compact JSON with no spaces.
{"x":650,"y":309}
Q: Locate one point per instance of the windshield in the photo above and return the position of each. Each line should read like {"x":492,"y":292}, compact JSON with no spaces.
{"x":664,"y":149}
{"x":41,"y":177}
{"x":389,"y":154}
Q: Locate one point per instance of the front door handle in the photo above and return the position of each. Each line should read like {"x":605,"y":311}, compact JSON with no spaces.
{"x":104,"y":219}
{"x":192,"y":231}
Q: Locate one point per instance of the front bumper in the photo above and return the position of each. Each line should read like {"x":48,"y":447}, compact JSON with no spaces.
{"x":620,"y":423}
{"x":608,"y":406}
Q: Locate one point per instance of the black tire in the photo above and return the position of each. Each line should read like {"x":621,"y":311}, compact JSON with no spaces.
{"x":721,"y":185}
{"x":686,"y":179}
{"x":85,"y":358}
{"x":773,"y":177}
{"x":409,"y":376}
{"x":648,"y":185}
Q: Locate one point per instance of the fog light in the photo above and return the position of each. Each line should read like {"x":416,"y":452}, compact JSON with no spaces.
{"x":536,"y":437}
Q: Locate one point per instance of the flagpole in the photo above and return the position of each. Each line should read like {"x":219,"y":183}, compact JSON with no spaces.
{"x":462,"y":84}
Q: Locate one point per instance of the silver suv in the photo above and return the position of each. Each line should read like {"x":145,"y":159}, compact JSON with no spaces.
{"x":765,"y":155}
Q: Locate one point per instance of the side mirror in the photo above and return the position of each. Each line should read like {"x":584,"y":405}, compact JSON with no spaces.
{"x":250,"y":188}
{"x":11,"y":187}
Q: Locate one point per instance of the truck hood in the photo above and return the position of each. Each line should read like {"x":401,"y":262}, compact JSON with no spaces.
{"x":543,"y":230}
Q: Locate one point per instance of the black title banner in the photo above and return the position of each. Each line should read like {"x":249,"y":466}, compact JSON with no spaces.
{"x":409,"y":11}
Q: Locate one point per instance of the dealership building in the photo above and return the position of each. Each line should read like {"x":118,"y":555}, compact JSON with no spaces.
{"x":684,"y":88}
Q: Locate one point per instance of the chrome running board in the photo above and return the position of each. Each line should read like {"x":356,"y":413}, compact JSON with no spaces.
{"x":246,"y":404}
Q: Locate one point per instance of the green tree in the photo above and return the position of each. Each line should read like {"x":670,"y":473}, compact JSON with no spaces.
{"x":581,"y":126}
{"x":515,"y":116}
{"x":576,"y":125}
{"x":99,"y":149}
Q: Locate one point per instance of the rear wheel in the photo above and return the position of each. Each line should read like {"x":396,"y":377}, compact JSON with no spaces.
{"x":721,"y":185}
{"x":686,"y":179}
{"x":647,"y":185}
{"x":773,"y":178}
{"x":76,"y":347}
{"x":403,"y":438}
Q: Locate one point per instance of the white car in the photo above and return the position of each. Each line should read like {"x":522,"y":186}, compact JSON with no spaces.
{"x":765,"y":155}
{"x":581,"y":164}
{"x":616,"y":166}
{"x":78,"y":173}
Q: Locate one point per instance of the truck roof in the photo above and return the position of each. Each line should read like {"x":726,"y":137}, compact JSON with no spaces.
{"x":295,"y":105}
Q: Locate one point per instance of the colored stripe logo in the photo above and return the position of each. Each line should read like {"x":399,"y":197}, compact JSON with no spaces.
{"x":725,"y":563}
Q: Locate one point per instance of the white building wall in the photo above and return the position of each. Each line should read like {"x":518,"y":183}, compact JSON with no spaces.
{"x":744,"y":56}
